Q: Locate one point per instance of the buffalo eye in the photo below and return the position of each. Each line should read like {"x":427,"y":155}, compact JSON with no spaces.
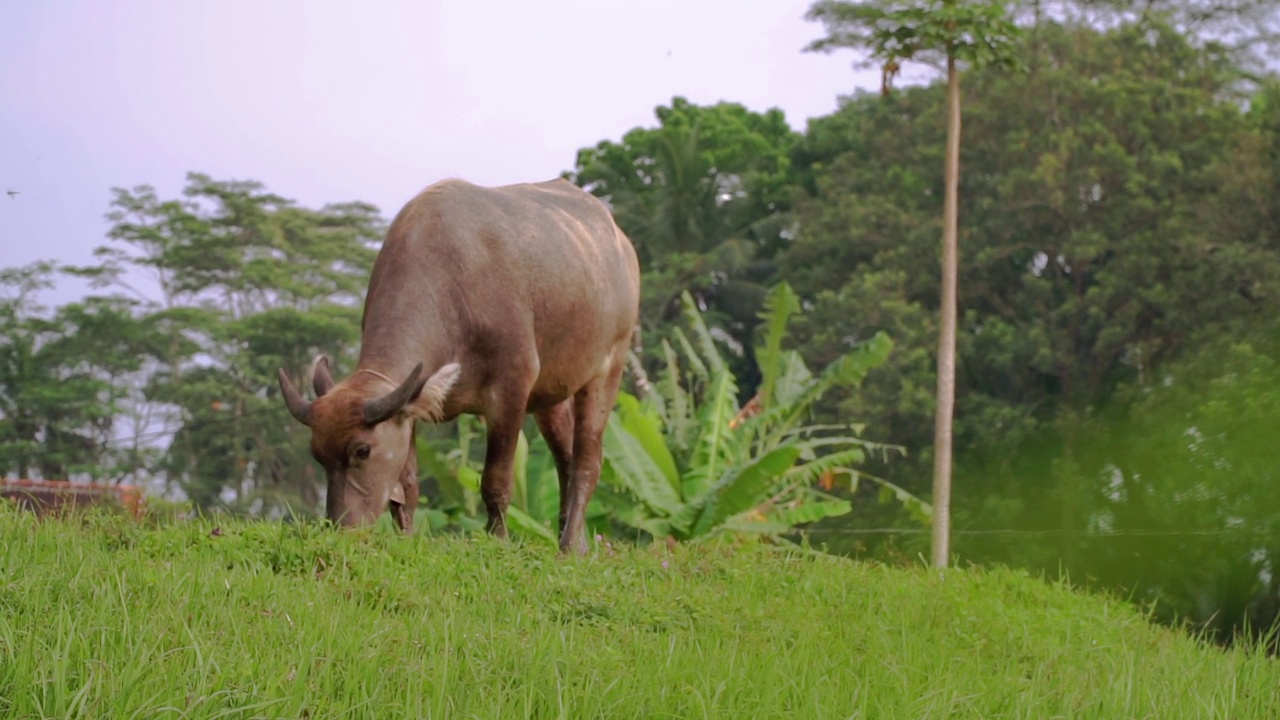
{"x":361,"y":451}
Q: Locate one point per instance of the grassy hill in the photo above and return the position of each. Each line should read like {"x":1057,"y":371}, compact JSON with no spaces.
{"x":99,"y":618}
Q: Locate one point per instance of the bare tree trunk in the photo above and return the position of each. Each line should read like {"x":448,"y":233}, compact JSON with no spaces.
{"x":947,"y":329}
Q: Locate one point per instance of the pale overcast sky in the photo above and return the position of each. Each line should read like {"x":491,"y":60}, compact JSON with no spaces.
{"x":326,"y":102}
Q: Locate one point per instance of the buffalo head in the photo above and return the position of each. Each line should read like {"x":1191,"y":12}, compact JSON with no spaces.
{"x":362,"y":433}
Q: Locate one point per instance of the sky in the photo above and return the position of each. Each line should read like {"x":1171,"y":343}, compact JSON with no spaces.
{"x":325,"y":101}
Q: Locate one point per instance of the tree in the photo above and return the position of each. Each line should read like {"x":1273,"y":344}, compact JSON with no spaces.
{"x":900,"y":30}
{"x":68,"y":383}
{"x":1248,"y":29}
{"x":247,"y":282}
{"x":706,"y":198}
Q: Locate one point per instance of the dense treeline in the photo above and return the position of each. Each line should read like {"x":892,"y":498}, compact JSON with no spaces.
{"x":175,"y":384}
{"x":1120,"y":243}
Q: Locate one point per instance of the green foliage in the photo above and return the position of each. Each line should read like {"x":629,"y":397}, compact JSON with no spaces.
{"x":693,"y":463}
{"x":1248,"y":29}
{"x":1169,"y":490}
{"x":980,"y":33}
{"x":694,"y":182}
{"x":294,"y":620}
{"x":706,"y":198}
{"x":67,"y":383}
{"x":1100,"y":190}
{"x":451,"y":458}
{"x":451,"y":464}
{"x":244,"y":282}
{"x":453,"y":501}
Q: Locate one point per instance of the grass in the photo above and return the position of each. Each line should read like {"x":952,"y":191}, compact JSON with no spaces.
{"x":100,"y":618}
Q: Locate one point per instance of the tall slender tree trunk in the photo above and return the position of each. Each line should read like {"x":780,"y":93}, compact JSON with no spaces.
{"x":947,"y":329}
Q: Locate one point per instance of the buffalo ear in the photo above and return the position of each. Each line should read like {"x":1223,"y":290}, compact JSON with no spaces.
{"x":321,"y":380}
{"x":429,"y":404}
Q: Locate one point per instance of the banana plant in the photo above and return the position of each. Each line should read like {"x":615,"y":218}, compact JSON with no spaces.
{"x":535,"y":502}
{"x":688,"y":462}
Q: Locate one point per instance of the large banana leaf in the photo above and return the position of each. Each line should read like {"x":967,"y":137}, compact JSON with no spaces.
{"x":679,"y":416}
{"x":520,"y":485}
{"x":524,"y":526}
{"x":542,"y":487}
{"x":847,"y":371}
{"x":809,"y":512}
{"x":742,"y":490}
{"x":779,"y":305}
{"x":919,"y":510}
{"x":469,"y":478}
{"x":619,"y":505}
{"x":705,"y":342}
{"x":645,"y":426}
{"x":682,"y":521}
{"x":743,"y":524}
{"x":711,"y":452}
{"x":793,"y":379}
{"x":697,"y":368}
{"x":632,"y":467}
{"x":808,"y":473}
{"x":774,"y":421}
{"x":783,"y":520}
{"x":737,"y":491}
{"x":851,"y":368}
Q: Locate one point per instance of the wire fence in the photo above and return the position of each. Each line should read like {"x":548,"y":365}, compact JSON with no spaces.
{"x":141,"y":438}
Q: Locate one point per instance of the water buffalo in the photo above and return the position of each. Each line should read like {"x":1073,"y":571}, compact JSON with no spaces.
{"x":493,"y":301}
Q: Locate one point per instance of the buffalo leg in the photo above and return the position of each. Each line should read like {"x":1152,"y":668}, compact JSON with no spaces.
{"x":556,"y":425}
{"x":499,"y":462}
{"x":591,"y":408}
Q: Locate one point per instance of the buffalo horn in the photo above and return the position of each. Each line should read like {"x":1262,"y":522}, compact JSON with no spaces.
{"x":299,"y":408}
{"x":375,"y":411}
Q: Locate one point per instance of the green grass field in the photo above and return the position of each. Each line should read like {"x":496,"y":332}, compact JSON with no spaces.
{"x":102,"y":619}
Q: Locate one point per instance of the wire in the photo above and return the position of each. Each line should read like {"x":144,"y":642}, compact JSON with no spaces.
{"x":1042,"y":533}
